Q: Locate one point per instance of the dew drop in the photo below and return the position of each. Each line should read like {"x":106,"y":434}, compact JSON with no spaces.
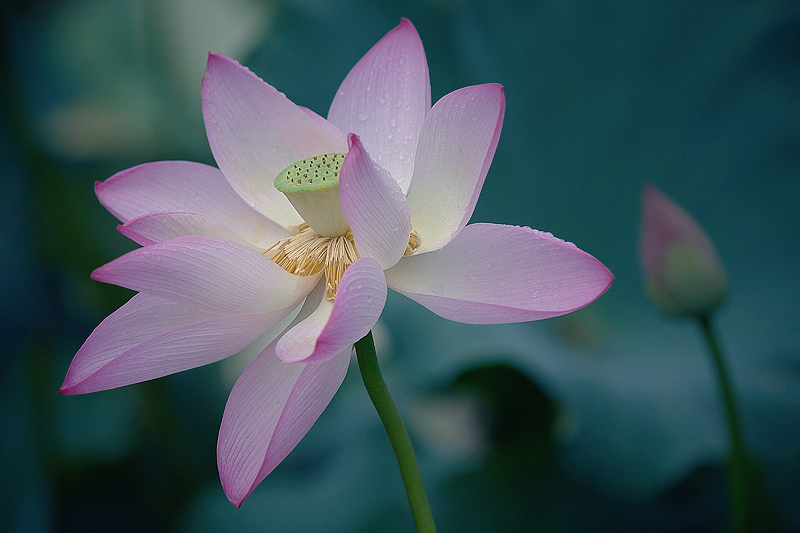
{"x":363,"y":117}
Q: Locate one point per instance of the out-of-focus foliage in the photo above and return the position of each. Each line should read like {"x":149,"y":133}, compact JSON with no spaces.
{"x":605,"y":420}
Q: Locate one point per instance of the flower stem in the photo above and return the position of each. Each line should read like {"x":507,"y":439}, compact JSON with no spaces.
{"x":738,"y":483}
{"x":390,"y":416}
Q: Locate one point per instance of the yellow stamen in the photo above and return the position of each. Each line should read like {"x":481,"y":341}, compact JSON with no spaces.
{"x":413,"y":242}
{"x":308,"y":253}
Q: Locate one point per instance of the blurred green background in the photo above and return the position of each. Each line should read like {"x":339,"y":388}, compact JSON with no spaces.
{"x":608,"y":419}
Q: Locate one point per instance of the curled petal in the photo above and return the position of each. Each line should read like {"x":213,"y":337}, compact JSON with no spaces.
{"x":183,"y":186}
{"x":271,"y":407}
{"x":374,"y":206}
{"x":210,"y":275}
{"x":491,"y":274}
{"x":255,"y":132}
{"x":455,"y":150}
{"x":385,"y":98}
{"x":334,"y":326}
{"x":150,"y":337}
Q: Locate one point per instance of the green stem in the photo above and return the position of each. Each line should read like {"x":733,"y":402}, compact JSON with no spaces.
{"x":738,"y":483}
{"x":390,"y":416}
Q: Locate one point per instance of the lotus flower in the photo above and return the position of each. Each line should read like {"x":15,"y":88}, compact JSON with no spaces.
{"x":325,"y":212}
{"x":681,"y":267}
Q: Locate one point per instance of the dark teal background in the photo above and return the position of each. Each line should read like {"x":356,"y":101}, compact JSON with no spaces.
{"x":608,"y":419}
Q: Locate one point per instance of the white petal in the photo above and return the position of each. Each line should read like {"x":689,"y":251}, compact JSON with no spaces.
{"x":211,"y":275}
{"x":159,"y":227}
{"x":494,"y":274}
{"x":270,"y":409}
{"x":255,"y":132}
{"x":455,"y":150}
{"x":374,"y":207}
{"x":186,"y":187}
{"x":384,"y":100}
{"x":150,"y":337}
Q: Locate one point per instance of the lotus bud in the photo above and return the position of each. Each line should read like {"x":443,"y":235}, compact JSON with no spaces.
{"x":682,"y":270}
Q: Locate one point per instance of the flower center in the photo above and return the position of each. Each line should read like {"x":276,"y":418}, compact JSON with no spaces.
{"x":324,"y":242}
{"x":307,"y":253}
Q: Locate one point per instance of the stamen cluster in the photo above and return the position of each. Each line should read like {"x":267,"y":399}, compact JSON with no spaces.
{"x":307,"y":253}
{"x":413,"y":242}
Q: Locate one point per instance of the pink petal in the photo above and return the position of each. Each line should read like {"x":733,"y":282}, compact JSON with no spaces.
{"x":211,"y":275}
{"x":184,"y":186}
{"x":270,"y":409}
{"x":255,"y":132}
{"x":374,"y":206}
{"x":150,"y":337}
{"x":334,"y":326}
{"x":385,"y":98}
{"x":491,"y":274}
{"x":159,"y":227}
{"x":337,"y":138}
{"x":456,"y":147}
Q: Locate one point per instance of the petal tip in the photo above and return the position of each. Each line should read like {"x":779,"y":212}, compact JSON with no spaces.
{"x":405,"y":25}
{"x":236,"y":499}
{"x":218,"y":61}
{"x":214,"y":56}
{"x":234,"y":495}
{"x":650,"y":195}
{"x":609,"y":280}
{"x":353,"y":139}
{"x":97,"y":273}
{"x":70,"y":387}
{"x":603,"y":278}
{"x":292,"y":350}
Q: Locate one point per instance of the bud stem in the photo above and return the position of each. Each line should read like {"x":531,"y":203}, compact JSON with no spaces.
{"x":738,"y":485}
